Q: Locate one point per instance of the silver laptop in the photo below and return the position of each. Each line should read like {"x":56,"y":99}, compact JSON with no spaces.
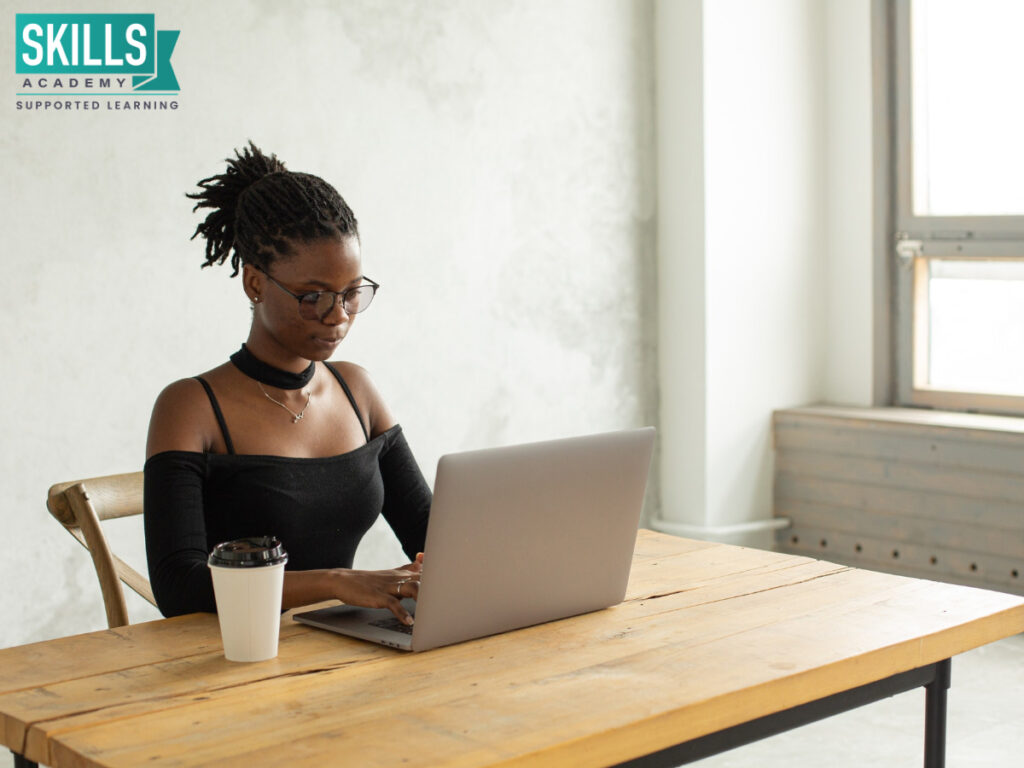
{"x":518,"y":536}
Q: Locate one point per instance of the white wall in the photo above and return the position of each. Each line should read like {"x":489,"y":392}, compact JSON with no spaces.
{"x":764,"y":152}
{"x":682,"y":273}
{"x":849,"y":352}
{"x":764,"y":180}
{"x":486,"y":147}
{"x":499,"y":156}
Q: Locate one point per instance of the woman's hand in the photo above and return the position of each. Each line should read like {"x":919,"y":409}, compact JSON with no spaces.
{"x":379,"y":589}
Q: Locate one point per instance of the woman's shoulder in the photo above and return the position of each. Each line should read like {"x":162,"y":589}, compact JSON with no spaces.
{"x":179,"y":395}
{"x":182,"y":417}
{"x":354,"y":375}
{"x":189,"y":393}
{"x":366,"y":394}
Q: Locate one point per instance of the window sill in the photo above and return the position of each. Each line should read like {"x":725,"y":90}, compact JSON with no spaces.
{"x":915,"y":419}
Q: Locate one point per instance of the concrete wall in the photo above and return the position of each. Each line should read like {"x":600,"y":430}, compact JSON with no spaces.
{"x":499,"y":156}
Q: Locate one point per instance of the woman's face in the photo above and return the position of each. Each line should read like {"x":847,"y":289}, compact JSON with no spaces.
{"x":329,"y":264}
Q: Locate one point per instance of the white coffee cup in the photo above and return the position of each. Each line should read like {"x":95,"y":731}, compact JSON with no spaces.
{"x":248,"y":577}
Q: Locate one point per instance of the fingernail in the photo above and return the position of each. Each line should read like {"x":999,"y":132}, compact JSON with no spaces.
{"x":409,"y":620}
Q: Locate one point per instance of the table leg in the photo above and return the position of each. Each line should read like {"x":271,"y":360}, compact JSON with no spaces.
{"x":934,"y":678}
{"x":935,"y":717}
{"x":21,"y":762}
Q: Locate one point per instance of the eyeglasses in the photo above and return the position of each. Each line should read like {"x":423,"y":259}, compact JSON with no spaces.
{"x":316,"y":305}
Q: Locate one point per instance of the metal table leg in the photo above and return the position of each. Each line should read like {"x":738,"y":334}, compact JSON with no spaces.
{"x":935,"y":717}
{"x":21,"y":762}
{"x":934,"y":678}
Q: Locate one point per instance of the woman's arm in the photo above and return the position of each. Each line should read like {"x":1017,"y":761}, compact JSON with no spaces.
{"x":407,"y":496}
{"x":179,"y":435}
{"x":176,"y":547}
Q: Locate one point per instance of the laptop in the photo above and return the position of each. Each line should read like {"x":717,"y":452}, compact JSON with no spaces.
{"x":518,"y":535}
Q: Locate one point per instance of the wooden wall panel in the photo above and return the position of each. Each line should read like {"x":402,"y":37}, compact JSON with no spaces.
{"x":905,"y":491}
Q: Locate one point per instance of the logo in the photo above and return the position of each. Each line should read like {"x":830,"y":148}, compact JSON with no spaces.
{"x":82,"y":61}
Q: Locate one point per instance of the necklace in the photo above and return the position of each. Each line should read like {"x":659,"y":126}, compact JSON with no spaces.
{"x":295,"y":416}
{"x":264,"y":373}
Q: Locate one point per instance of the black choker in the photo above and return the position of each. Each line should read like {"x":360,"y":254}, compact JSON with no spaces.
{"x":254,"y":368}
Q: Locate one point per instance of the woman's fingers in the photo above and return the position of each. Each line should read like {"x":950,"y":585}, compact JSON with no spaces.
{"x":399,"y":610}
{"x":407,"y":586}
{"x":410,"y":588}
{"x":382,"y":589}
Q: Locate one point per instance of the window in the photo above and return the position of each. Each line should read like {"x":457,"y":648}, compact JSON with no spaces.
{"x":959,"y":204}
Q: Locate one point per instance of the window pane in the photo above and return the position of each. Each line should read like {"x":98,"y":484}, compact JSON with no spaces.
{"x":976,"y":326}
{"x":967,"y":62}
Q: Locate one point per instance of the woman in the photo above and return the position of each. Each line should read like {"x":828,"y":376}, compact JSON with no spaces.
{"x":277,"y":441}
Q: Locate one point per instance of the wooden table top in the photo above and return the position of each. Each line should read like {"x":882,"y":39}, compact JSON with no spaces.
{"x":709,"y":636}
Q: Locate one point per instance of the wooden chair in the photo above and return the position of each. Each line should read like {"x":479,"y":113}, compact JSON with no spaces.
{"x":79,"y":506}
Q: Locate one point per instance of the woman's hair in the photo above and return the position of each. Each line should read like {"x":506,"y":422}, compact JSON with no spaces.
{"x":259,"y":208}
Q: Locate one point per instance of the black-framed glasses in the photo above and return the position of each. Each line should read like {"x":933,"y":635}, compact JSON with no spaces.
{"x":316,"y":305}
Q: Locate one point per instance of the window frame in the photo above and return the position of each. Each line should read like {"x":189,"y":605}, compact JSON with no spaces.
{"x":914,"y":241}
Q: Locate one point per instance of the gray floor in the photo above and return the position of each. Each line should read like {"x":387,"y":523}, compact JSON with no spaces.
{"x":986,"y":724}
{"x":985,"y":728}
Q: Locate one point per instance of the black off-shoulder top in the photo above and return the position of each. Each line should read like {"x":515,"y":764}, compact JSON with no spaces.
{"x":319,"y":508}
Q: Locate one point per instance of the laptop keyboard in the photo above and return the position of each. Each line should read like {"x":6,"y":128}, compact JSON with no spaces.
{"x":393,"y":624}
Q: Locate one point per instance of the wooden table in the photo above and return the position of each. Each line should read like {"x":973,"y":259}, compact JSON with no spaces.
{"x":714,"y":645}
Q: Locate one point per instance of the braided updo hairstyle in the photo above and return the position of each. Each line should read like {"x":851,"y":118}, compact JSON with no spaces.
{"x":259,"y":208}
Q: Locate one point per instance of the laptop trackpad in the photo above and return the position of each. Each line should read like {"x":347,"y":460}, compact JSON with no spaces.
{"x":377,"y":624}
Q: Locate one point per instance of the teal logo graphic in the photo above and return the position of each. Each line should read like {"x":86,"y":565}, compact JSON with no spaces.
{"x":108,"y":45}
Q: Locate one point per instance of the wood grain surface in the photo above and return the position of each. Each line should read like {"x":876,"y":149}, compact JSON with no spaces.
{"x":709,"y":636}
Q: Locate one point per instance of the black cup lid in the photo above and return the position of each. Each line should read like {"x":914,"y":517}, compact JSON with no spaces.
{"x":251,"y":552}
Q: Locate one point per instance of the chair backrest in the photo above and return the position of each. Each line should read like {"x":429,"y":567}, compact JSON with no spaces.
{"x":79,"y":506}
